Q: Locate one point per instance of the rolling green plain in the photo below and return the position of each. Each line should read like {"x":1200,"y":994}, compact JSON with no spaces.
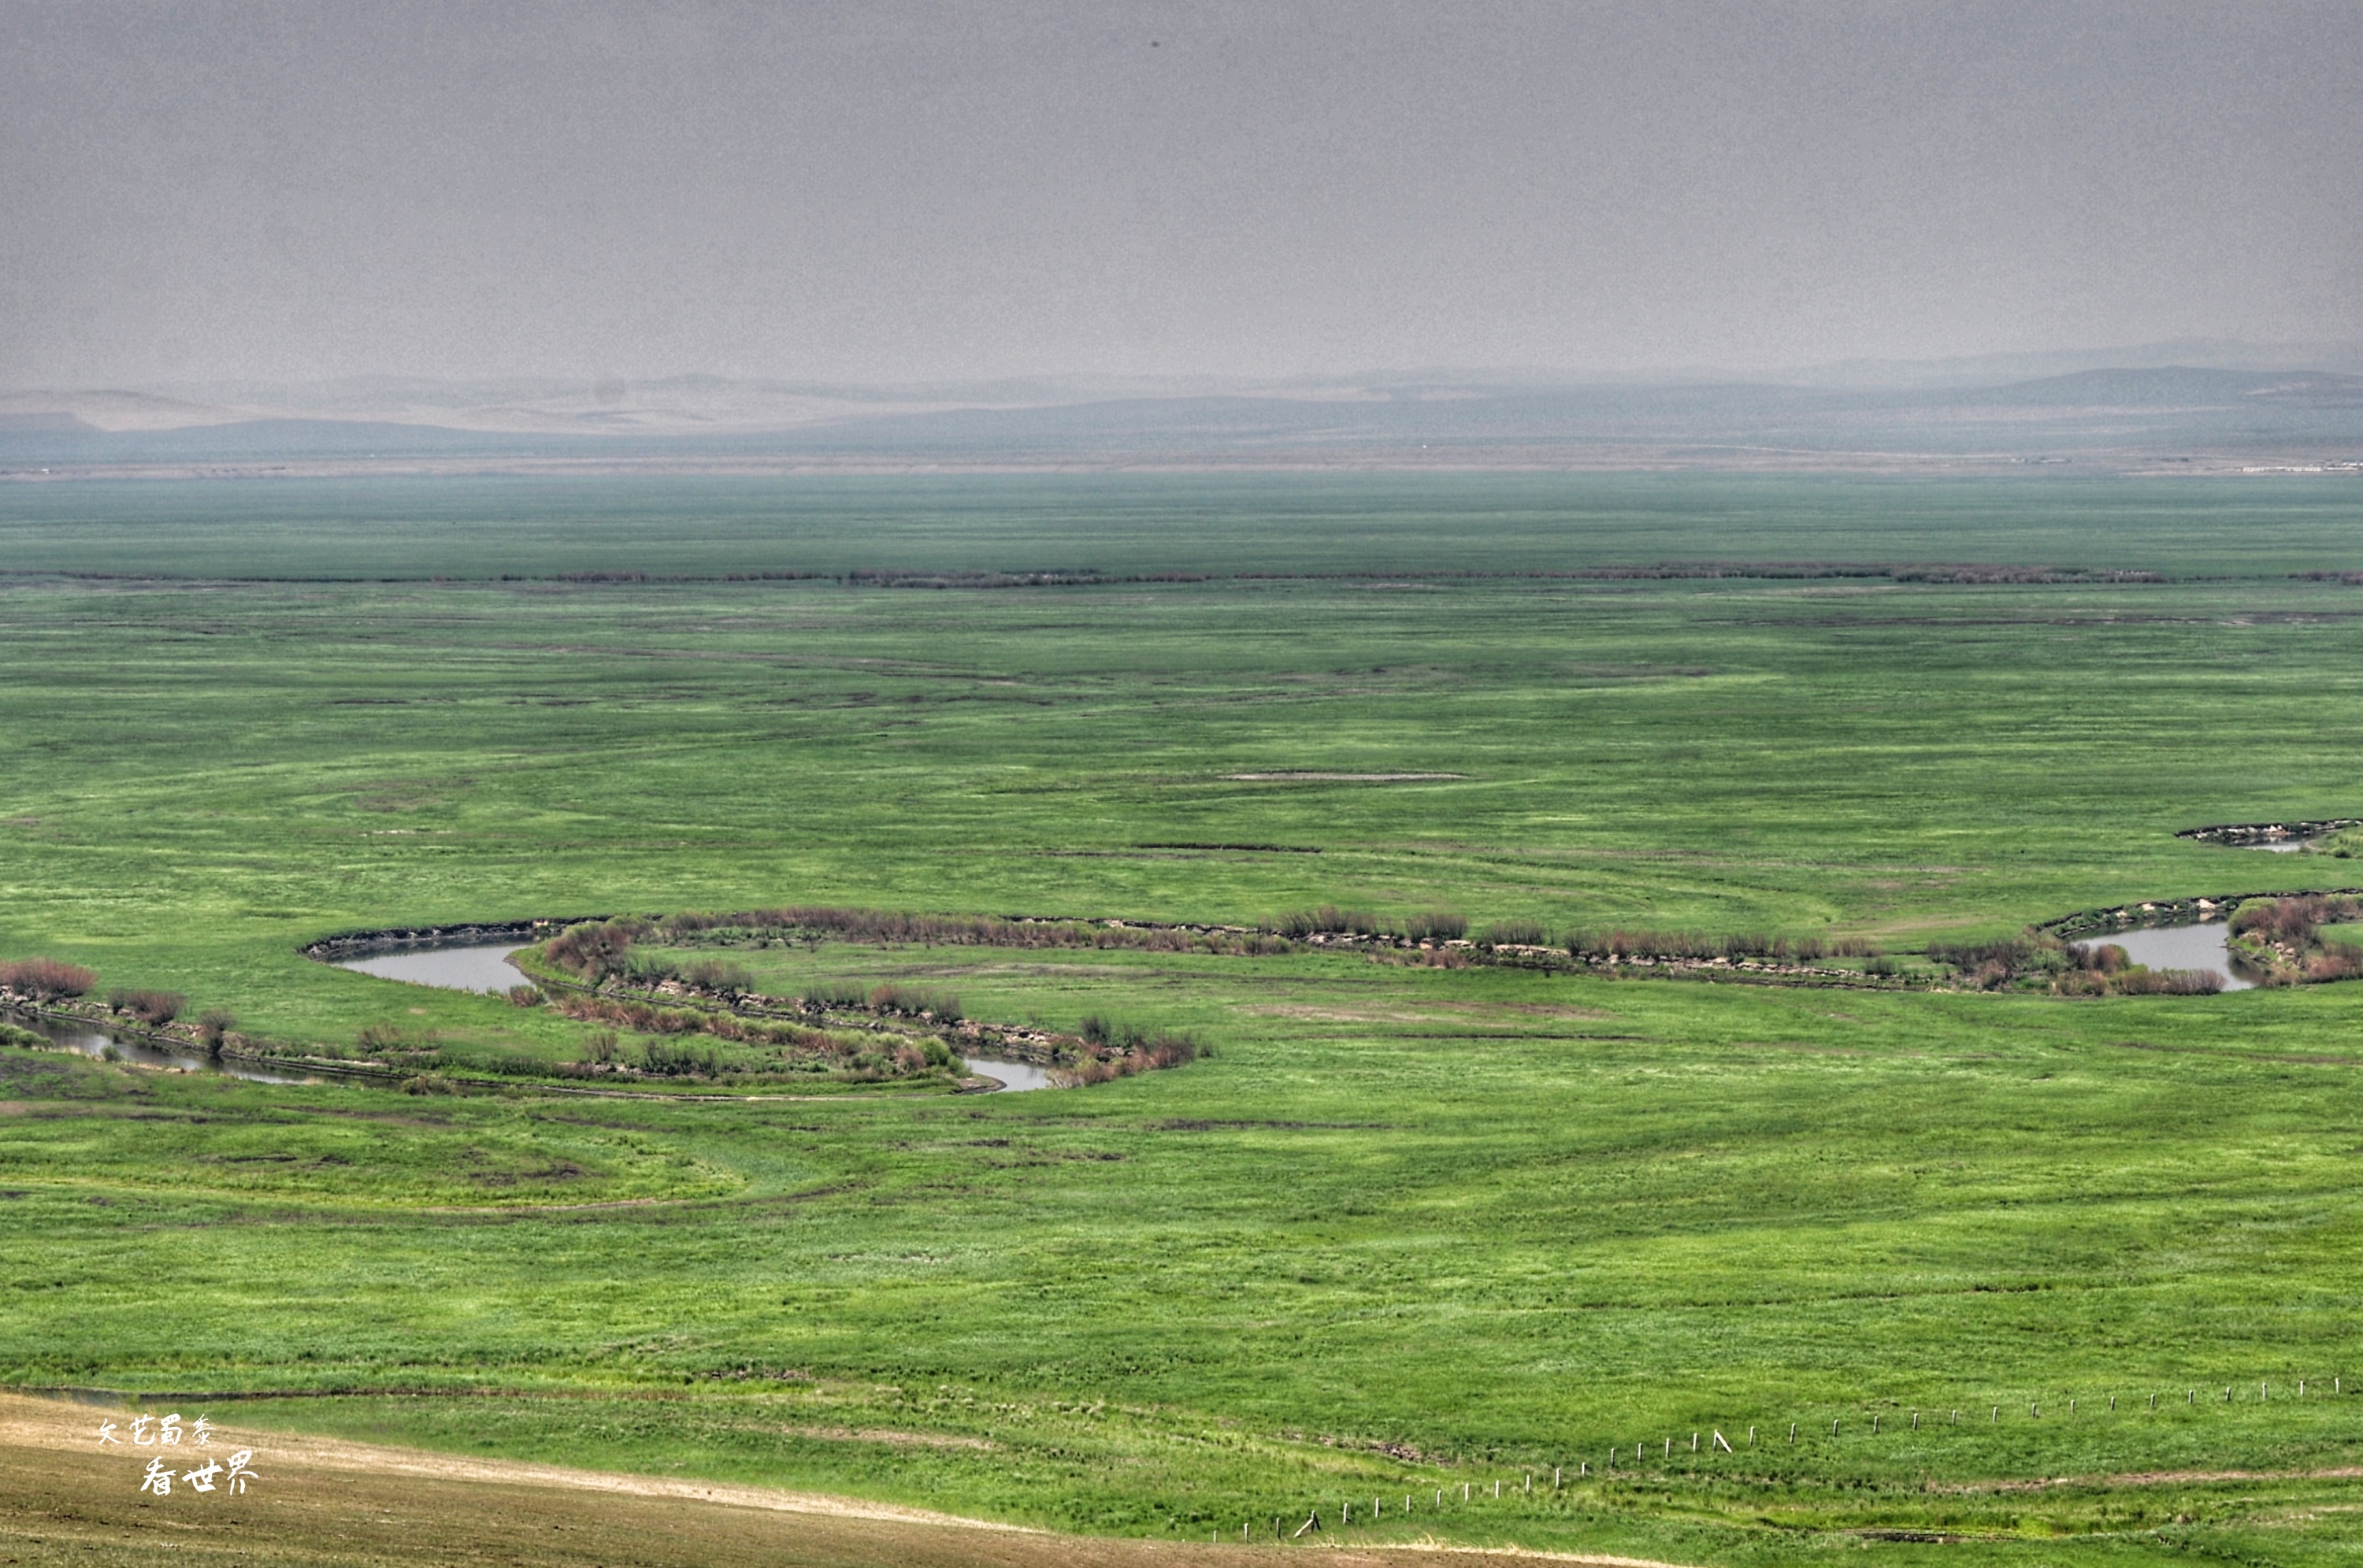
{"x":1400,"y":1229}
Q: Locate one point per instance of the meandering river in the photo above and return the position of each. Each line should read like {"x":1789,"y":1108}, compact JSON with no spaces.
{"x":92,"y":1041}
{"x":486,"y":967}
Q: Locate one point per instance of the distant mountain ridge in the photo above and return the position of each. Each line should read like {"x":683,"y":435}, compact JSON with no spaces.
{"x":2130,"y":413}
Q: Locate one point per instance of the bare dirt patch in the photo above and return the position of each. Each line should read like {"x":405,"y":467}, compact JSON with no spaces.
{"x":324,"y":1500}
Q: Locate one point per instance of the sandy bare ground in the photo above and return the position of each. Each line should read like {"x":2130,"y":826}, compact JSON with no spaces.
{"x":65,"y":1497}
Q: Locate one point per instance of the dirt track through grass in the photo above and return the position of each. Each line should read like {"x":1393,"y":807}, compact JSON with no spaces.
{"x":325,"y":1501}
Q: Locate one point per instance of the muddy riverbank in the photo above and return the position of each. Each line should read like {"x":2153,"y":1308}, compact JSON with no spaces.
{"x":2290,"y":835}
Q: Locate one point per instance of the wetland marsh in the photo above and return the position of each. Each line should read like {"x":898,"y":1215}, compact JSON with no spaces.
{"x":1400,"y":1225}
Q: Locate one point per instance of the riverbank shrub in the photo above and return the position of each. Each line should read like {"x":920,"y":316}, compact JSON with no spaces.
{"x":1330,"y":920}
{"x":2292,"y":922}
{"x":2279,"y":942}
{"x":719,"y":976}
{"x":152,"y":1008}
{"x":678,"y":1059}
{"x":1121,"y":1051}
{"x":1436,"y":925}
{"x":2100,"y":957}
{"x":46,"y":980}
{"x":596,"y":949}
{"x":914,"y":1001}
{"x":1694,"y":946}
{"x":2136,"y":982}
{"x":647,"y":1017}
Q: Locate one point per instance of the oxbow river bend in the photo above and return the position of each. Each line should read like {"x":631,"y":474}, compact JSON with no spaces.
{"x":486,"y":967}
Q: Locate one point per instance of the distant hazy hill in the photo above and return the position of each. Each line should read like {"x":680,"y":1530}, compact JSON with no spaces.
{"x":2121,"y":413}
{"x":2177,"y":386}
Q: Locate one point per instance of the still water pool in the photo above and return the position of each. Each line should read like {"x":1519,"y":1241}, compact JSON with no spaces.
{"x":479,"y":968}
{"x":1011,"y":1075}
{"x":2180,"y":947}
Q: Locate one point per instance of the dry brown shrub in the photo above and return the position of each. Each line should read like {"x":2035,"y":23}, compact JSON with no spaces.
{"x":46,"y":980}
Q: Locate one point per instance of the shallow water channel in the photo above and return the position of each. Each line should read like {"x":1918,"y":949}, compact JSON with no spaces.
{"x":486,"y":967}
{"x":93,"y":1041}
{"x":2180,"y":947}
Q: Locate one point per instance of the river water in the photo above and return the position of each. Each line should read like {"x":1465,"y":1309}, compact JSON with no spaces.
{"x":92,"y":1041}
{"x":2180,"y":947}
{"x":1011,"y":1075}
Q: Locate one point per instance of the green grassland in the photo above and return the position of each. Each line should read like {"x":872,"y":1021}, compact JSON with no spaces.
{"x":1401,"y":1229}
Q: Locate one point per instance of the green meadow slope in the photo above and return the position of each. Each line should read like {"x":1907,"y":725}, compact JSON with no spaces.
{"x":1400,"y":1230}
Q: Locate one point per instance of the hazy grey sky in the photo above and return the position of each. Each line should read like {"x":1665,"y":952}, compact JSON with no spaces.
{"x":878,"y":191}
